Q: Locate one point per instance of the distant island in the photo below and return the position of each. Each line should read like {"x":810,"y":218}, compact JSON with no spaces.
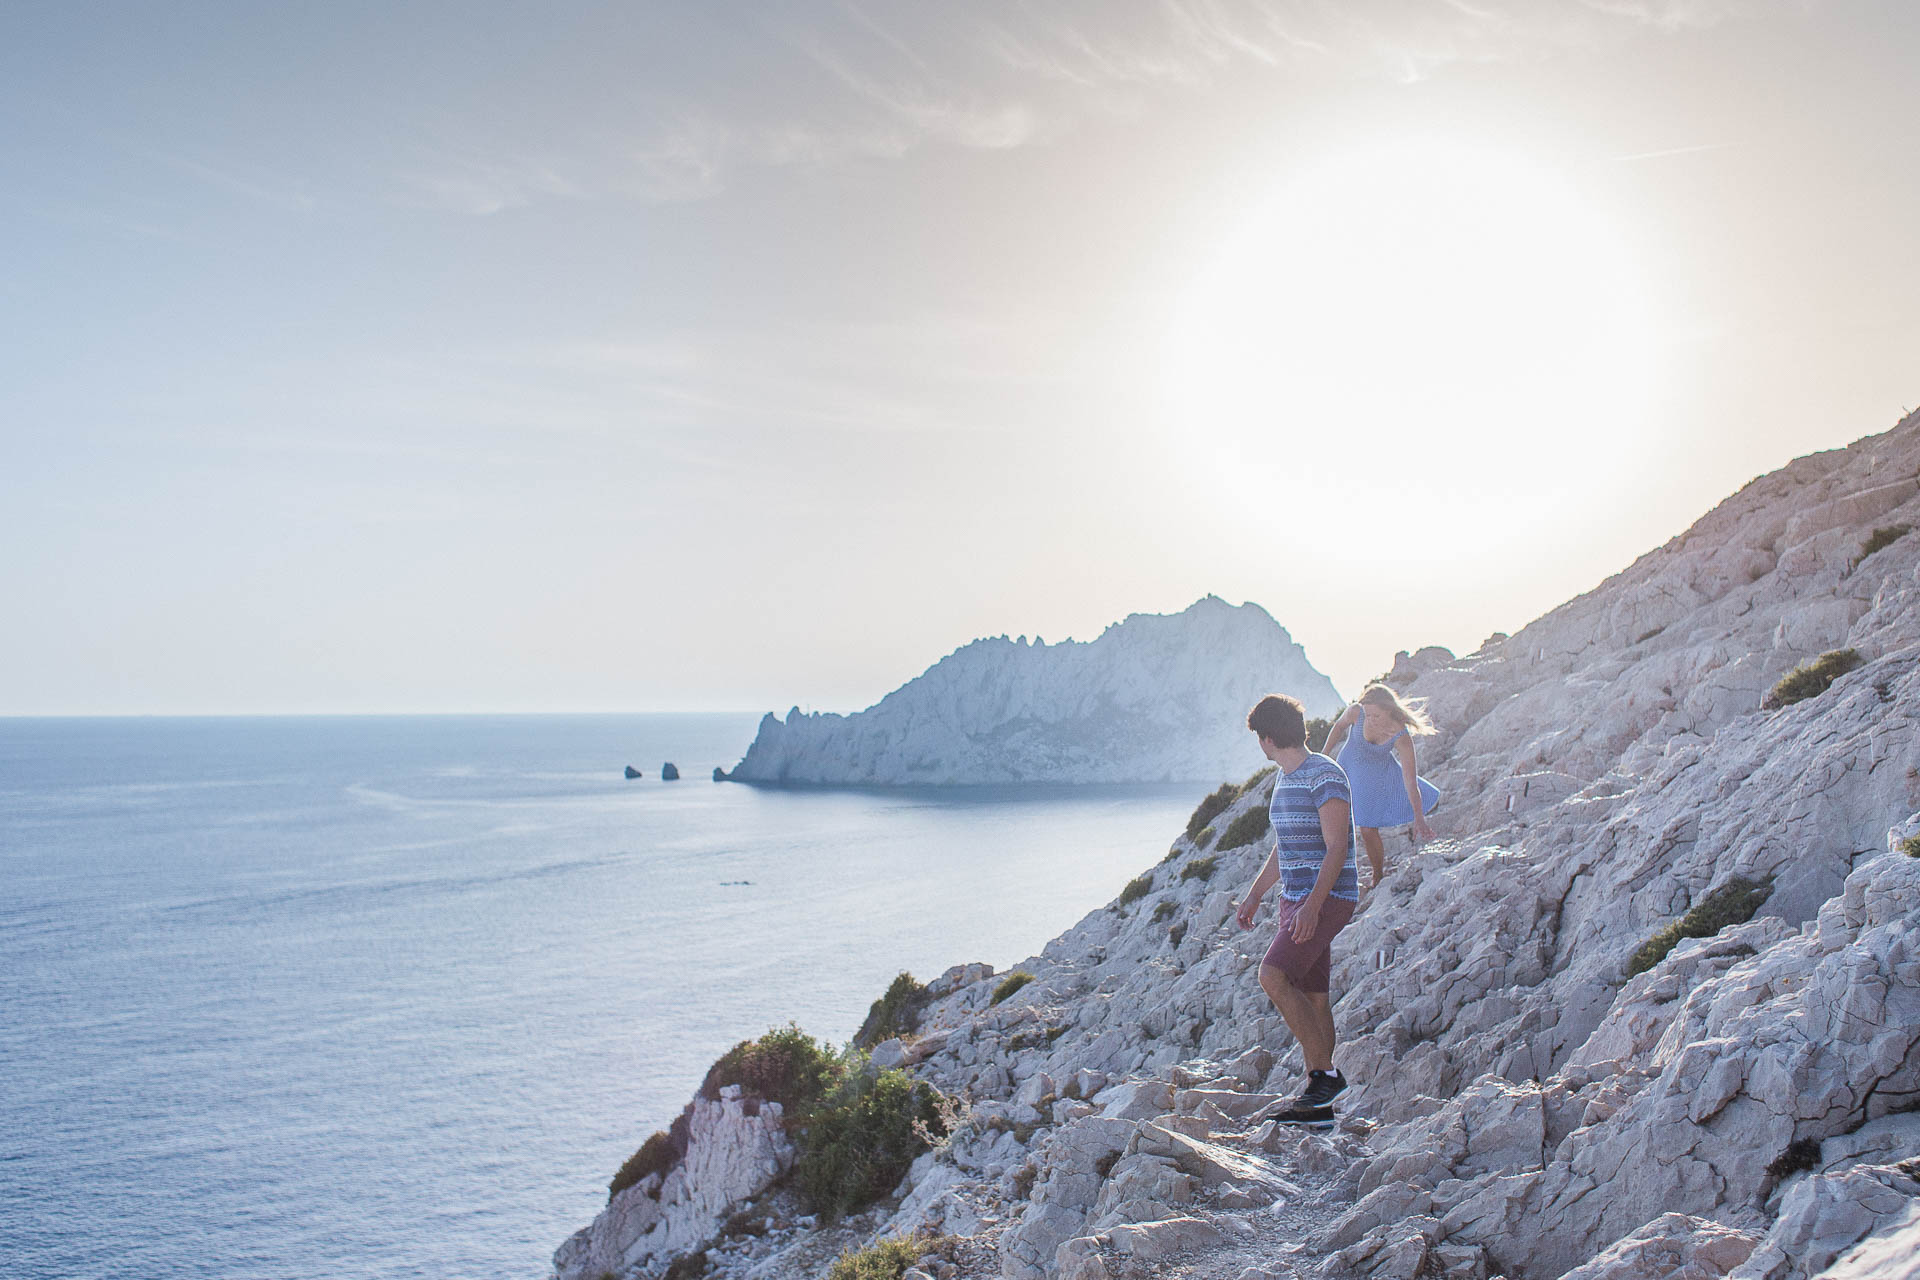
{"x":1156,"y":698}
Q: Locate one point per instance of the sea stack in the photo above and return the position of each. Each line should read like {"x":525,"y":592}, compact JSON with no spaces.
{"x":634,"y":773}
{"x":668,"y":773}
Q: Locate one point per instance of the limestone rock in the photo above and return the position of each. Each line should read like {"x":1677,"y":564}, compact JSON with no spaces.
{"x":736,"y":1146}
{"x":1154,"y":698}
{"x":1673,"y":1246}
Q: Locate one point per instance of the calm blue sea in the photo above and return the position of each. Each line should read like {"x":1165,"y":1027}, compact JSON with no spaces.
{"x":393,"y":997}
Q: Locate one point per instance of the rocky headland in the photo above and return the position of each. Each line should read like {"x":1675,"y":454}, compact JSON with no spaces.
{"x":1155,"y":698}
{"x":1649,"y":1008}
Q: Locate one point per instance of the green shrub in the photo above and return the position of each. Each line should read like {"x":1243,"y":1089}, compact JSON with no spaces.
{"x":1163,"y":911}
{"x":1910,"y":846}
{"x":1732,"y":903}
{"x":1811,"y":679}
{"x":856,"y":1145}
{"x":1245,"y":829}
{"x":1317,"y":731}
{"x":897,"y":1013}
{"x":883,"y":1259}
{"x":786,"y":1066}
{"x":1259,"y":776}
{"x":1177,"y":934}
{"x":656,"y":1155}
{"x":1010,"y":984}
{"x":1881,"y":538}
{"x":1199,"y":868}
{"x":1206,"y":835}
{"x":1216,"y":803}
{"x":1137,"y":888}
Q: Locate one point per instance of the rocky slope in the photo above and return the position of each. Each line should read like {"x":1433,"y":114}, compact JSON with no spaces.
{"x":1747,"y":1106}
{"x":1155,"y":698}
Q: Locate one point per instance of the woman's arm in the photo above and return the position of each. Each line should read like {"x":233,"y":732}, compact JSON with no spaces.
{"x":1269,"y":872}
{"x":1403,"y":747}
{"x":1340,"y":726}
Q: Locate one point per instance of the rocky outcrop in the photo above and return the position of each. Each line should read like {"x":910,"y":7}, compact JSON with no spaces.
{"x":669,"y":772}
{"x":735,"y":1147}
{"x":633,"y":773}
{"x":1155,"y":698}
{"x":1748,"y":1106}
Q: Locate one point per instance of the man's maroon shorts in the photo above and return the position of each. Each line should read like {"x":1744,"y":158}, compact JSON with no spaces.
{"x":1308,"y":965}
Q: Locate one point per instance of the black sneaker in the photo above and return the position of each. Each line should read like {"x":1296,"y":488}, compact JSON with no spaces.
{"x":1305,"y":1116}
{"x":1322,"y":1088}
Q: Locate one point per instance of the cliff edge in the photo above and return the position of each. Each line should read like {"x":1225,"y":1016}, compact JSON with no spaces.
{"x":1649,"y":1008}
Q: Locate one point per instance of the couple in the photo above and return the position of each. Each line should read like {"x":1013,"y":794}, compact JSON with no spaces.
{"x":1316,"y":805}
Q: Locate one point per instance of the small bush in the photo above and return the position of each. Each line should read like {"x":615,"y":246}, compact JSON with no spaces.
{"x":1137,"y":888}
{"x":1023,"y":1180}
{"x":1245,"y":829}
{"x":1259,"y":776}
{"x":1165,"y":909}
{"x":1732,"y":903}
{"x":1317,"y":731}
{"x":1216,"y":803}
{"x":1801,"y":1155}
{"x":786,"y":1066}
{"x":1010,"y":984}
{"x":743,"y":1223}
{"x":656,"y":1155}
{"x":897,"y":1013}
{"x":882,"y":1260}
{"x":1910,"y":846}
{"x":1205,"y":836}
{"x":856,"y":1146}
{"x":1177,"y":934}
{"x":688,"y":1266}
{"x":1199,"y":868}
{"x":1811,"y":679}
{"x":1880,"y":539}
{"x":1104,"y":1165}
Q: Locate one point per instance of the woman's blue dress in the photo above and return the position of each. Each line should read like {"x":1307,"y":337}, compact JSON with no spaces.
{"x":1379,"y":787}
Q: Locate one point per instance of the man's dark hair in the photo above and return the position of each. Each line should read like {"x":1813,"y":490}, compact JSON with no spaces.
{"x":1280,"y":720}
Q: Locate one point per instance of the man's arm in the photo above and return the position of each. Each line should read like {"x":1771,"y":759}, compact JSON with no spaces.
{"x":1336,"y":821}
{"x":1269,"y":872}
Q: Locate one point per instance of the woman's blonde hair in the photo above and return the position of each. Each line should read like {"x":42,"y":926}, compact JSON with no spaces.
{"x":1412,"y":714}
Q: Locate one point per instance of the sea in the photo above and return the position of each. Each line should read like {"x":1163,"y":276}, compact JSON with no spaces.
{"x":334,"y":997}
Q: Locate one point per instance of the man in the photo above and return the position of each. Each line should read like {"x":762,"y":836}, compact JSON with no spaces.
{"x":1312,"y":819}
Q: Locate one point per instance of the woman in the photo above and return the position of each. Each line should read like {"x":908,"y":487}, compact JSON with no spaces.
{"x":1378,"y":760}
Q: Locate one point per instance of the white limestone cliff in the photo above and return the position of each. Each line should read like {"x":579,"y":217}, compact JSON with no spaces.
{"x":1155,"y":698}
{"x":1746,"y":1107}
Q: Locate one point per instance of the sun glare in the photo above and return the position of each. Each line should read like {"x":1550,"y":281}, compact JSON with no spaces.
{"x":1439,"y":324}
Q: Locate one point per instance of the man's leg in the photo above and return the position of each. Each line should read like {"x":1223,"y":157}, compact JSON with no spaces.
{"x":1376,"y":853}
{"x":1309,"y":1015}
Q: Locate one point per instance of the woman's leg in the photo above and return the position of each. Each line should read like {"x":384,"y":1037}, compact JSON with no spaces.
{"x":1376,"y":853}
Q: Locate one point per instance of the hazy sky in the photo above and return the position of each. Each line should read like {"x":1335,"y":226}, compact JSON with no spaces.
{"x":684,"y":356}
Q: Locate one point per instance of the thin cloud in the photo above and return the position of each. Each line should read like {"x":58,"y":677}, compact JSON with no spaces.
{"x":281,"y":193}
{"x":479,"y":185}
{"x":1665,"y":152}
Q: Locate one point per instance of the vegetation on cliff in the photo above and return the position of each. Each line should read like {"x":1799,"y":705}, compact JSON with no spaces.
{"x":856,"y":1128}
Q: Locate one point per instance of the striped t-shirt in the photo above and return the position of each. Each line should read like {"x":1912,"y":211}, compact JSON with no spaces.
{"x":1298,"y":845}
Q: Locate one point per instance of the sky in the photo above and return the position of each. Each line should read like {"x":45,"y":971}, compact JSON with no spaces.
{"x":439,"y":357}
